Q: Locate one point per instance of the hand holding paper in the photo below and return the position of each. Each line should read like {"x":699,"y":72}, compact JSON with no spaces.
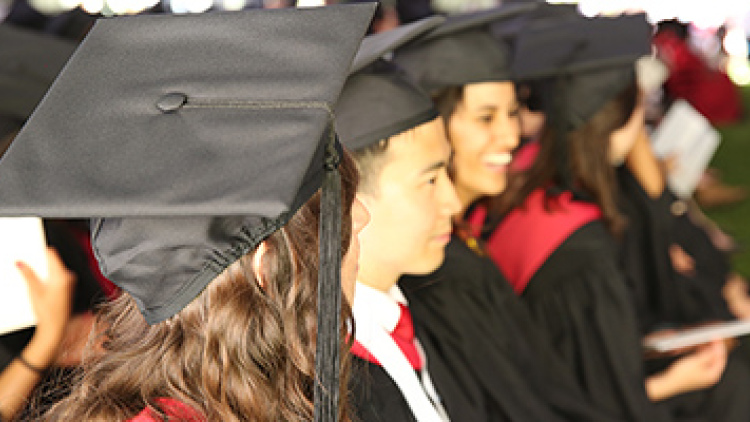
{"x":51,"y":298}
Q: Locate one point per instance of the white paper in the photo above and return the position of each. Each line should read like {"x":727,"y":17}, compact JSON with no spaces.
{"x":21,"y":239}
{"x":699,"y":335}
{"x":689,"y":138}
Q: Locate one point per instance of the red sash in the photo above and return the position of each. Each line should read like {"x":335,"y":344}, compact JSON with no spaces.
{"x":528,"y":235}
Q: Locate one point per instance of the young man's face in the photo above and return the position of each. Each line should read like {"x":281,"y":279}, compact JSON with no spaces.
{"x":410,"y":205}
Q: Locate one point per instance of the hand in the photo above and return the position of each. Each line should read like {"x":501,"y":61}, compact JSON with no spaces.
{"x":700,"y":369}
{"x":51,"y":301}
{"x":735,"y":293}
{"x":682,"y":262}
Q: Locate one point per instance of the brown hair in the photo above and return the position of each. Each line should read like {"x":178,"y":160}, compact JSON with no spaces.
{"x":370,"y":161}
{"x":238,"y":351}
{"x":588,"y":164}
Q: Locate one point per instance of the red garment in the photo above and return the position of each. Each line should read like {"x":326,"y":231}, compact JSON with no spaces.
{"x":525,"y":156}
{"x":84,"y":239}
{"x":175,"y":410}
{"x":528,"y":235}
{"x":403,"y":335}
{"x":709,"y":91}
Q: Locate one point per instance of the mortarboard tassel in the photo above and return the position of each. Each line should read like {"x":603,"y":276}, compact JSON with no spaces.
{"x":326,"y":390}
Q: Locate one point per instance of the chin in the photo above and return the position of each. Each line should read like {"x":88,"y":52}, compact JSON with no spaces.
{"x":494,"y":189}
{"x":427,"y":264}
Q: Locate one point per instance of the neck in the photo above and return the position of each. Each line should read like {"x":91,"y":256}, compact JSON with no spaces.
{"x":377,"y":276}
{"x":466,"y":197}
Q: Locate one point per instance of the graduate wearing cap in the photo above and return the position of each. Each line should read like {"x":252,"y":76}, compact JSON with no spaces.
{"x":400,"y":147}
{"x":476,"y":375}
{"x":467,"y":304}
{"x":556,"y":242}
{"x":208,"y":178}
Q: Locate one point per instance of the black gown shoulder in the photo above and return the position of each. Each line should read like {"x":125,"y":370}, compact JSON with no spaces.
{"x":475,"y":322}
{"x":374,"y":397}
{"x":580,"y":299}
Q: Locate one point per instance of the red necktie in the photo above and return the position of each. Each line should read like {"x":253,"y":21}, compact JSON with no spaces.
{"x":403,"y":335}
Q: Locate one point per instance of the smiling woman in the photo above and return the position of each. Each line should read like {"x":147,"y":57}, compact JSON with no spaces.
{"x":483,"y":128}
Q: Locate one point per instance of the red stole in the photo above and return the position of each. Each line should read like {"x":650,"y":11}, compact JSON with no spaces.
{"x":528,"y":235}
{"x":403,"y":335}
{"x":174,"y":409}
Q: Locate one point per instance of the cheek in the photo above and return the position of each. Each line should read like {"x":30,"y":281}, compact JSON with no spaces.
{"x":467,"y":152}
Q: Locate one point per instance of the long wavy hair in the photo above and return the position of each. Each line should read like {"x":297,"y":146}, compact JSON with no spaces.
{"x":587,"y":166}
{"x":237,"y":352}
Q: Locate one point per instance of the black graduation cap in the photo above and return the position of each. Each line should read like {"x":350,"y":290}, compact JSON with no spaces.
{"x":190,"y":135}
{"x":460,"y":51}
{"x":29,"y":62}
{"x":592,"y":58}
{"x":378,"y":100}
{"x":191,"y":138}
{"x":507,"y":29}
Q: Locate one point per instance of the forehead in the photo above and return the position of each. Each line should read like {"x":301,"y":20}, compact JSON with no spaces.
{"x":420,"y":147}
{"x":487,"y":93}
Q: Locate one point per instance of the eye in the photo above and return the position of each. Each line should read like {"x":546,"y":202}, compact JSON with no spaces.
{"x":514,"y":112}
{"x":485,"y":118}
{"x":432,"y":180}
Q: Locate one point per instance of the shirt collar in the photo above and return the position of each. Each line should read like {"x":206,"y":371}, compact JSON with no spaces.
{"x":383,"y":307}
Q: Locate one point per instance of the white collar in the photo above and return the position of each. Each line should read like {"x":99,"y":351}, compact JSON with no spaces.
{"x":382,"y":307}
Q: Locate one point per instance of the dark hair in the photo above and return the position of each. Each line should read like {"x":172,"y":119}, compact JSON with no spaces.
{"x":587,"y":167}
{"x":238,"y":351}
{"x":370,"y":161}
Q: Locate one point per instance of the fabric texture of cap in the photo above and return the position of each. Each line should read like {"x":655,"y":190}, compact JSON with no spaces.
{"x":29,"y":62}
{"x":509,"y":28}
{"x":189,"y":138}
{"x":378,"y":100}
{"x":592,"y":58}
{"x":461,"y":51}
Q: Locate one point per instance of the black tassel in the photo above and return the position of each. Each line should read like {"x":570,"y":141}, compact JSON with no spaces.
{"x":329,"y":291}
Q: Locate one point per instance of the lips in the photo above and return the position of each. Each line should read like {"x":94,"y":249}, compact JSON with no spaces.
{"x":445,"y":237}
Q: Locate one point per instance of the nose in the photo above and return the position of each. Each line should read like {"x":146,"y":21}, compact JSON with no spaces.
{"x":506,"y":131}
{"x":449,"y":202}
{"x":360,"y":216}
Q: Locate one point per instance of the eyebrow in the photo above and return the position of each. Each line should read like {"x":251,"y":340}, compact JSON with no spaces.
{"x":435,"y":166}
{"x":492,"y":107}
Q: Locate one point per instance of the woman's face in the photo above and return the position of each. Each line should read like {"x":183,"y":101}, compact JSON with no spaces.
{"x":350,"y":261}
{"x":484,"y":130}
{"x":621,"y":141}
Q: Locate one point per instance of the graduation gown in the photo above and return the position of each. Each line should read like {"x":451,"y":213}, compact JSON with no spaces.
{"x":466,"y":313}
{"x":664,"y":297}
{"x":376,"y":396}
{"x":580,"y":297}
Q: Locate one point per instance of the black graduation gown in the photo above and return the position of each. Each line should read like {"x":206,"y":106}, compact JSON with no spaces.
{"x":375,"y":397}
{"x":664,"y":297}
{"x":580,"y":297}
{"x":474,"y":320}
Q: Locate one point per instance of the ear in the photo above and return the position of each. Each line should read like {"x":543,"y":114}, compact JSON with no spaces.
{"x":260,"y":252}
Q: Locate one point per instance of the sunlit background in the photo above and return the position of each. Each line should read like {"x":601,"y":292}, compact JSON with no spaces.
{"x":730,"y":17}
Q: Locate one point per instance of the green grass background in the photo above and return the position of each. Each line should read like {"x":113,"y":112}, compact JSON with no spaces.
{"x":733,"y":160}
